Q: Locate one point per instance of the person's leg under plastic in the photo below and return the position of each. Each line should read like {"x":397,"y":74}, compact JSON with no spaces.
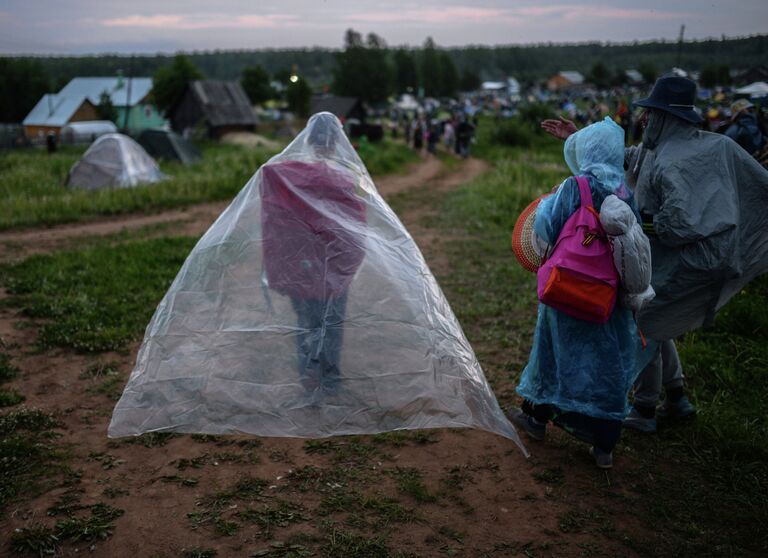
{"x":309,"y":319}
{"x":332,"y":340}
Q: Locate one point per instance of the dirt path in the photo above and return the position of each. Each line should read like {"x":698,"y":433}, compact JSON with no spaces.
{"x":195,"y":219}
{"x":474,"y":493}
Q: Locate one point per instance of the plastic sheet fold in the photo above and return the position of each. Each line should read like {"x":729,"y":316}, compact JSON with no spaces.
{"x":306,"y":310}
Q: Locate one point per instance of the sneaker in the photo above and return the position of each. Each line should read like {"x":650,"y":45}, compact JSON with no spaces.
{"x":676,"y":410}
{"x":638,"y":422}
{"x":527,"y":423}
{"x":604,"y":460}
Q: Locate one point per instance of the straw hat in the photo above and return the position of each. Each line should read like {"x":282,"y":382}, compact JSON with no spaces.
{"x":740,"y":105}
{"x":522,"y":237}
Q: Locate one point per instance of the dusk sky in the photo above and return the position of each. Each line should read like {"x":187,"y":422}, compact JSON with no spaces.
{"x":143,"y":26}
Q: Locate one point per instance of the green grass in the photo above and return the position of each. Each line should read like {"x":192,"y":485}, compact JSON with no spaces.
{"x":8,"y":371}
{"x":29,"y":456}
{"x":97,"y":299}
{"x":32,"y":190}
{"x":386,"y":157}
{"x":700,"y":486}
{"x":709,"y":474}
{"x":410,"y":481}
{"x":42,"y":540}
{"x":8,"y":397}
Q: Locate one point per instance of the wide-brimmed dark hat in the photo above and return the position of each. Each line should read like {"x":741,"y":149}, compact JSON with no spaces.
{"x":675,"y":95}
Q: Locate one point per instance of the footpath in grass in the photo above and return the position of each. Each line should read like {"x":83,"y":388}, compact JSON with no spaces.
{"x":696,"y":489}
{"x":32,"y":191}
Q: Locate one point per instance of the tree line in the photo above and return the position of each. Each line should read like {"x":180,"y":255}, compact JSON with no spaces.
{"x":370,"y":69}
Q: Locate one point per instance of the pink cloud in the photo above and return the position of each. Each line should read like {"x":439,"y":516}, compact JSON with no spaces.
{"x":521,"y":15}
{"x":200,"y":21}
{"x":590,"y":11}
{"x":453,"y":14}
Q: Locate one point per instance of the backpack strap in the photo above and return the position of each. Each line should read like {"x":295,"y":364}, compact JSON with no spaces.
{"x":584,"y":191}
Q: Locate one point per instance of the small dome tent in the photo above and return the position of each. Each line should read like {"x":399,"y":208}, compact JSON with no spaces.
{"x":114,"y":161}
{"x":306,"y":310}
{"x":168,"y":145}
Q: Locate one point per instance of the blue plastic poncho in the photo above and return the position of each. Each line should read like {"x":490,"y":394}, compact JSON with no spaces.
{"x":575,"y":365}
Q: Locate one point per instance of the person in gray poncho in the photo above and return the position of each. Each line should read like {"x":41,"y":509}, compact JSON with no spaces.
{"x":703,"y":201}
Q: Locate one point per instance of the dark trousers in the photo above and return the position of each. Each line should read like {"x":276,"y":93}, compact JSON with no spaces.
{"x":602,"y":433}
{"x":319,"y":340}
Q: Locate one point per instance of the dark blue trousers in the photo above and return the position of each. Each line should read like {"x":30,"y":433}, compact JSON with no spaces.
{"x":319,"y":340}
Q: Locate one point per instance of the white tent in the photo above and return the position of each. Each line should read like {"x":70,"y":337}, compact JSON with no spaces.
{"x":493,"y":85}
{"x":756,"y":89}
{"x":114,"y":161}
{"x":407,"y":102}
{"x":86,"y":131}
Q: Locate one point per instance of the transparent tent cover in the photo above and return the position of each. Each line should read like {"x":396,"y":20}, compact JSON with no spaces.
{"x":306,"y":310}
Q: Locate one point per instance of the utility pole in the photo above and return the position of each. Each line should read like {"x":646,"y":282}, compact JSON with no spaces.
{"x":680,"y":45}
{"x":128,"y":93}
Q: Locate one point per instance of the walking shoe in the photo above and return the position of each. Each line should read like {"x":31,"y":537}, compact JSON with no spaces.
{"x":636,"y":421}
{"x":676,"y":410}
{"x":604,"y":460}
{"x":527,"y":423}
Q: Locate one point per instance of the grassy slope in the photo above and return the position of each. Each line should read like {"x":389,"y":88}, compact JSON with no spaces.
{"x":32,"y":188}
{"x":706,"y":481}
{"x":701,"y":484}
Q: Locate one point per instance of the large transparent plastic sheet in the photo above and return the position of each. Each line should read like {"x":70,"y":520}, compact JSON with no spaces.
{"x":116,"y":161}
{"x":306,"y":310}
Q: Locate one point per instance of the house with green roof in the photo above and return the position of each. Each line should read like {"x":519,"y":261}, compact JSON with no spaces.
{"x":78,"y":100}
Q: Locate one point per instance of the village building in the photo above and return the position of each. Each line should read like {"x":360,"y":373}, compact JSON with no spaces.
{"x":344,"y":108}
{"x":214,"y":107}
{"x":79,"y":99}
{"x":565,"y":80}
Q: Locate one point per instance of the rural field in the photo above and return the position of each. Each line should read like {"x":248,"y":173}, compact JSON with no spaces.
{"x":81,"y":274}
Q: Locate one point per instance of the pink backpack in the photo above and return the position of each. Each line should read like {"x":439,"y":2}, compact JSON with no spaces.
{"x":579,"y":277}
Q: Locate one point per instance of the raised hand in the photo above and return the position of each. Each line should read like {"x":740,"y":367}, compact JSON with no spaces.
{"x":561,"y":128}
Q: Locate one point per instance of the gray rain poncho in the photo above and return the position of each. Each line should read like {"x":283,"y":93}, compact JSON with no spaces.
{"x":306,"y":310}
{"x":708,"y":199}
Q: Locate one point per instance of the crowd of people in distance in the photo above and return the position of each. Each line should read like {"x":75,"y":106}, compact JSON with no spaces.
{"x":455,"y":132}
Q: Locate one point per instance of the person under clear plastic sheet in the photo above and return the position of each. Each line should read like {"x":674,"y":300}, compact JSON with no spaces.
{"x":313,"y":229}
{"x":307,"y":282}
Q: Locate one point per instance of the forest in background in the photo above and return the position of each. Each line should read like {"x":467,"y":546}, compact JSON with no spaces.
{"x":527,"y":63}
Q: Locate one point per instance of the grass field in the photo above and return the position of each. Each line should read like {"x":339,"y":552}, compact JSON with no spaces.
{"x":32,"y":190}
{"x":706,"y":480}
{"x":698,"y":488}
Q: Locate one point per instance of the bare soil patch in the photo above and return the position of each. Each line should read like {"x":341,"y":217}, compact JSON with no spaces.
{"x":440,"y":493}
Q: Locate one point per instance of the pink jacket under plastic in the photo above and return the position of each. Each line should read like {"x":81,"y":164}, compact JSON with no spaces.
{"x":312,"y":226}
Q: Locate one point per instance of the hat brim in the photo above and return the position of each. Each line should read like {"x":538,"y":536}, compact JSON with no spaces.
{"x":687,"y":114}
{"x":522,"y":237}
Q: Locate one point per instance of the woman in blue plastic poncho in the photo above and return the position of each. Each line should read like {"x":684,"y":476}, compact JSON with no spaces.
{"x":579,"y":373}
